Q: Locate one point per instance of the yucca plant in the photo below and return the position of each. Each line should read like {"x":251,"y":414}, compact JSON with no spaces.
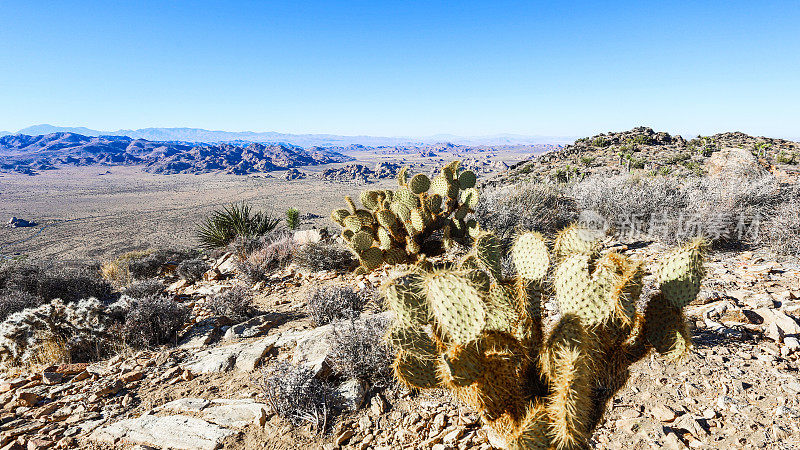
{"x":232,"y":221}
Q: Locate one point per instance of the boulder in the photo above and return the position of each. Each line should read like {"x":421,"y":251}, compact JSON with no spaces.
{"x":174,"y":432}
{"x":244,"y":356}
{"x":734,"y":163}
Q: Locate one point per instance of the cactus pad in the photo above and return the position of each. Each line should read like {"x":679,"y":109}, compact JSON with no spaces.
{"x":457,"y":306}
{"x":530,"y":256}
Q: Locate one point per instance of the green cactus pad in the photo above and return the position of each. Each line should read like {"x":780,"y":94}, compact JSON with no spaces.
{"x":461,"y":212}
{"x":402,"y":177}
{"x":385,"y":238}
{"x":350,"y":203}
{"x":418,"y":219}
{"x":462,"y":365}
{"x":457,"y":306}
{"x":366,"y":217}
{"x":353,"y":223}
{"x":407,"y":198}
{"x":419,"y":183}
{"x":530,"y":256}
{"x":534,"y":430}
{"x":501,"y":312}
{"x":371,"y":258}
{"x":412,"y":340}
{"x":405,"y":296}
{"x":387,"y":219}
{"x":665,"y":328}
{"x":578,"y":293}
{"x":361,"y":241}
{"x":680,"y":274}
{"x":400,"y":210}
{"x":440,"y":186}
{"x":473,"y":229}
{"x":575,"y":240}
{"x":470,"y":198}
{"x":467,"y":179}
{"x":488,"y":249}
{"x":415,"y":372}
{"x":338,"y":215}
{"x":370,"y":199}
{"x":412,"y":247}
{"x":394,"y":256}
{"x":434,"y":203}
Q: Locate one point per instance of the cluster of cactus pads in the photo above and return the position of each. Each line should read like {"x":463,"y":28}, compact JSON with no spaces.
{"x":468,"y":329}
{"x":400,"y":226}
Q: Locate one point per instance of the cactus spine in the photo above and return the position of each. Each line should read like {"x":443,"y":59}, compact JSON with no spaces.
{"x":468,"y":329}
{"x":399,"y":225}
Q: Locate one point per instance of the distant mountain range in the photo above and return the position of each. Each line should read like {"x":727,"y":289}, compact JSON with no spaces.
{"x":303,"y":140}
{"x":30,"y":154}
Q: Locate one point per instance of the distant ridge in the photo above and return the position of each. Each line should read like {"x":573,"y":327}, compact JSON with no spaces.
{"x":303,"y":140}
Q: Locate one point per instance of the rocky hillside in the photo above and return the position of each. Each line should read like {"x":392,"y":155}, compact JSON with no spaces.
{"x":653,"y":152}
{"x":737,"y":389}
{"x":30,"y":154}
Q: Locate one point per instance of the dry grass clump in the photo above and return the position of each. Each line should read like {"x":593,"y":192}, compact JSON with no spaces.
{"x":296,"y":395}
{"x":234,"y":304}
{"x":25,"y":284}
{"x":139,"y":265}
{"x":358,"y":350}
{"x":542,"y":207}
{"x":330,"y":303}
{"x":318,"y":256}
{"x":153,"y":321}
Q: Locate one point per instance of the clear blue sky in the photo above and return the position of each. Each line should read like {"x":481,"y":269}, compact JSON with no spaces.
{"x":407,"y":68}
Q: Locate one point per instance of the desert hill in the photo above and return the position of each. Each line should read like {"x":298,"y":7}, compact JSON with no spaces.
{"x":655,"y":152}
{"x":29,"y":154}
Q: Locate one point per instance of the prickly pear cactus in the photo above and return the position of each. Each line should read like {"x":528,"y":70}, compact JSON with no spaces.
{"x":398,"y":226}
{"x":468,"y":329}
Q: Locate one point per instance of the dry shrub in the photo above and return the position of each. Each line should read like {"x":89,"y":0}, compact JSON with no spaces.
{"x":330,"y":303}
{"x":541,"y":207}
{"x":144,"y":288}
{"x":234,"y":304}
{"x":153,"y":321}
{"x":192,"y":270}
{"x":318,"y":256}
{"x":258,"y":257}
{"x":83,"y":330}
{"x":781,"y":232}
{"x":295,"y":394}
{"x":139,"y":265}
{"x":26,"y":284}
{"x":358,"y":349}
{"x":728,"y":212}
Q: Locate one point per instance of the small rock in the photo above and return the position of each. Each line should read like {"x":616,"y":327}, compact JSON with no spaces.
{"x":663,"y":413}
{"x":51,"y":378}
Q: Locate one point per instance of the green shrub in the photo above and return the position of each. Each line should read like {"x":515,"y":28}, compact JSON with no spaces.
{"x":786,"y":158}
{"x":601,"y":142}
{"x":588,"y":160}
{"x":292,"y":218}
{"x":235,"y":220}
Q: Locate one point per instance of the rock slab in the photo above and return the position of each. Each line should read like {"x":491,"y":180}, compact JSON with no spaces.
{"x":176,"y":432}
